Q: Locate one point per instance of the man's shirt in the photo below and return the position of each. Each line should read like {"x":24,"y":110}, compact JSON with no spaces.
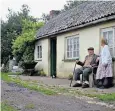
{"x":88,"y":60}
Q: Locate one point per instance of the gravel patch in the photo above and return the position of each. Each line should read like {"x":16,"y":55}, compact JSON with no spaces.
{"x":24,"y":99}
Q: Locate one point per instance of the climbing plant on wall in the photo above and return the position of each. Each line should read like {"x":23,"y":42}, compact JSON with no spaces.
{"x":23,"y":46}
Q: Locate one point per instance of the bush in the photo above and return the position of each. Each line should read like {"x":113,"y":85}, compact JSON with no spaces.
{"x":23,"y":45}
{"x":70,"y":77}
{"x":42,"y":73}
{"x":5,"y":69}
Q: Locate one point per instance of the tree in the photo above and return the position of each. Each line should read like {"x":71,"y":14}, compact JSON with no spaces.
{"x":45,"y":17}
{"x":6,"y":39}
{"x":73,"y":3}
{"x":12,"y":28}
{"x":69,"y":5}
{"x":23,"y":46}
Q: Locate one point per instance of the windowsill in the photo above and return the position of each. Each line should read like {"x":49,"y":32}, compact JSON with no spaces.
{"x":38,"y":60}
{"x":70,"y":60}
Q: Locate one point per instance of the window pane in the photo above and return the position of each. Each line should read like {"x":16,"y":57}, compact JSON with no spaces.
{"x":75,"y":40}
{"x":110,"y":38}
{"x":114,"y":52}
{"x":70,"y":54}
{"x":38,"y":52}
{"x":67,"y":41}
{"x":67,"y":54}
{"x":70,"y":48}
{"x":40,"y":48}
{"x":74,"y":54}
{"x":105,"y":35}
{"x":77,"y":53}
{"x":114,"y":37}
{"x":75,"y":47}
{"x":71,"y":41}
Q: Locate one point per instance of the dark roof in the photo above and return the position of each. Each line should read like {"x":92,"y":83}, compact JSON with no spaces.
{"x":85,"y":13}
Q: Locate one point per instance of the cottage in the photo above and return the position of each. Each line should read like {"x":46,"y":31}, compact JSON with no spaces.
{"x":66,"y":37}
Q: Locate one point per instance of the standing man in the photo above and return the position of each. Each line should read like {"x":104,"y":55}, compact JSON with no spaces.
{"x":86,"y":69}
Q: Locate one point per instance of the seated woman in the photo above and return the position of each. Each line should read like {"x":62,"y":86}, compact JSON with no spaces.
{"x":104,"y":75}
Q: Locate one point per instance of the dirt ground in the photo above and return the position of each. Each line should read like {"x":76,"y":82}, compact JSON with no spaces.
{"x":27,"y":100}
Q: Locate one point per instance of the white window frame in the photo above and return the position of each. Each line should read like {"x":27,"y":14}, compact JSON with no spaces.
{"x":106,"y":30}
{"x":66,"y":51}
{"x":39,"y":54}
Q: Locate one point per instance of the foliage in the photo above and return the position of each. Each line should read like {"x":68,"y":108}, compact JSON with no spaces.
{"x":7,"y":34}
{"x":9,"y":30}
{"x":107,"y":97}
{"x":42,"y":73}
{"x":70,"y":77}
{"x":45,"y":17}
{"x":6,"y":107}
{"x":23,"y":46}
{"x":5,"y":68}
{"x":14,"y":73}
{"x":29,"y":106}
{"x":49,"y":90}
{"x":69,"y":5}
{"x":73,"y":3}
{"x":12,"y":28}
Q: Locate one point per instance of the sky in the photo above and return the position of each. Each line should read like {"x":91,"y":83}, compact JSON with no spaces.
{"x":37,"y":7}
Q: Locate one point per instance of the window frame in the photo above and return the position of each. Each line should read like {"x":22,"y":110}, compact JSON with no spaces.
{"x":77,"y":48}
{"x":107,"y":30}
{"x":39,"y":53}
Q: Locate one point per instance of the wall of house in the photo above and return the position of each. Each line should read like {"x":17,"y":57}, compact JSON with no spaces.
{"x":43,"y":62}
{"x":88,"y":37}
{"x":114,"y":70}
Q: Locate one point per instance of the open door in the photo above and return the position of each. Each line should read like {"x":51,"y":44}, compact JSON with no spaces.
{"x":53,"y":57}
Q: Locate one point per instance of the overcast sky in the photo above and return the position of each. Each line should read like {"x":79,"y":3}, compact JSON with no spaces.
{"x":37,"y":7}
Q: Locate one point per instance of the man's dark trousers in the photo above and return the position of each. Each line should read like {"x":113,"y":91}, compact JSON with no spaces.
{"x":86,"y":71}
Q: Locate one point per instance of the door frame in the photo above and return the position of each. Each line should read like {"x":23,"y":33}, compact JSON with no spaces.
{"x":53,"y":56}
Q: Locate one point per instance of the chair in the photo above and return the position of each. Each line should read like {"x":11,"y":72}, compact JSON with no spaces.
{"x":92,"y":77}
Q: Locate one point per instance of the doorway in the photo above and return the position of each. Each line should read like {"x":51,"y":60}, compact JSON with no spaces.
{"x":53,"y":42}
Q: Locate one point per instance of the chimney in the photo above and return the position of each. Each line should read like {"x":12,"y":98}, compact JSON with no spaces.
{"x":54,"y":13}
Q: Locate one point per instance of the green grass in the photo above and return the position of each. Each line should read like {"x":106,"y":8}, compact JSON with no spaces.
{"x":6,"y":107}
{"x":52,"y":90}
{"x":27,"y":84}
{"x":75,"y":92}
{"x":29,"y":106}
{"x":14,"y":73}
{"x":106,"y":97}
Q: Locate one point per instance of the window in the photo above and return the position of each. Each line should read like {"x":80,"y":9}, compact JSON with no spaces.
{"x":109,"y":35}
{"x":39,"y":48}
{"x":72,"y":47}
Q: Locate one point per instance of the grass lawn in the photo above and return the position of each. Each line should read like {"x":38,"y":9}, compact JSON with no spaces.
{"x":27,"y":84}
{"x":106,"y":97}
{"x":52,"y":90}
{"x":6,"y":107}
